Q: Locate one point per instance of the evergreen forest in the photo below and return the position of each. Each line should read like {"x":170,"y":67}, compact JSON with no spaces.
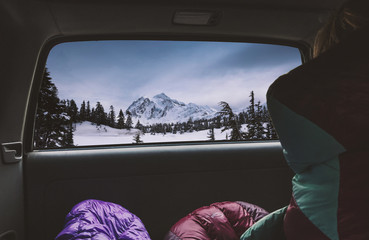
{"x":56,"y":120}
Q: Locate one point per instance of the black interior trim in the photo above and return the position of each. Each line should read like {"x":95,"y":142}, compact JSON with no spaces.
{"x":304,"y":49}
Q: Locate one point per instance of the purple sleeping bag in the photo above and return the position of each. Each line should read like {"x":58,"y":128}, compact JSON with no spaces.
{"x":98,"y":220}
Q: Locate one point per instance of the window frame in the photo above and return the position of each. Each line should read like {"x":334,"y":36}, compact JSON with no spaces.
{"x":304,"y":48}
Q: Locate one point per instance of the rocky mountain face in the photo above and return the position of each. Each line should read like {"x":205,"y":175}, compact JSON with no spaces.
{"x":163,"y":109}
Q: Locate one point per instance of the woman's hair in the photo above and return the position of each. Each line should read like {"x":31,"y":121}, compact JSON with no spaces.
{"x":352,"y":15}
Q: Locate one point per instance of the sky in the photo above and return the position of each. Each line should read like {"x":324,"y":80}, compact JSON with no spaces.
{"x":205,"y":73}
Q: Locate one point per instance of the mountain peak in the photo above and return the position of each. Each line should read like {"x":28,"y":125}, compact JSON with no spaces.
{"x":162,"y":95}
{"x":164,"y":109}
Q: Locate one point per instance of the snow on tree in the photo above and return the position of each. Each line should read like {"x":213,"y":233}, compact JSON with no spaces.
{"x":53,"y":125}
{"x":272,"y":134}
{"x":211,"y":135}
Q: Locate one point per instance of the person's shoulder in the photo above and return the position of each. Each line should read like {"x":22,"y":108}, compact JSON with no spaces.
{"x":286,"y":81}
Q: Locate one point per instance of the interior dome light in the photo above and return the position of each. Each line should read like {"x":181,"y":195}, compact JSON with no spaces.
{"x":204,"y":18}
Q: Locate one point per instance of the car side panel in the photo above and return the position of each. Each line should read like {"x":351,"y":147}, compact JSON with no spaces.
{"x":160,"y":184}
{"x":20,"y":44}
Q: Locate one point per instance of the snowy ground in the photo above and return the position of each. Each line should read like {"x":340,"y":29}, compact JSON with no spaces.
{"x":88,"y":134}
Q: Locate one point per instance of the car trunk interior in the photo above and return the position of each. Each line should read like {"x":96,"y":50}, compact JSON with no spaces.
{"x":160,"y":183}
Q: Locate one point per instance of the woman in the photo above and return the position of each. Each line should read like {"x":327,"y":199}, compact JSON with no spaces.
{"x":321,"y":113}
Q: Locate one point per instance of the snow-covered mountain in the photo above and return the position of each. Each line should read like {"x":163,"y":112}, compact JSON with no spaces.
{"x":163,"y":109}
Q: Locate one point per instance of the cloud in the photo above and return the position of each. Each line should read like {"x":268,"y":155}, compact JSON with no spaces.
{"x":233,"y":88}
{"x":118,"y":72}
{"x":259,"y":56}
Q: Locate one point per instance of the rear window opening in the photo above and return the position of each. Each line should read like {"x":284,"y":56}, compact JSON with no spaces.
{"x":141,"y":91}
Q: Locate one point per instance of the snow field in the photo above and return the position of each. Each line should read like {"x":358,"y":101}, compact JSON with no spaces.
{"x":87,"y":134}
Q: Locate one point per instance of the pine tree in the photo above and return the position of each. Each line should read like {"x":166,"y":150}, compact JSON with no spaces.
{"x":82,"y":112}
{"x":152,"y":130}
{"x":99,"y":114}
{"x":111,"y":117}
{"x":206,"y":124}
{"x":231,"y":122}
{"x":88,"y":111}
{"x":92,"y":115}
{"x":120,"y":123}
{"x":67,"y":141}
{"x":139,"y":125}
{"x":211,"y":135}
{"x":137,"y":138}
{"x":169,"y":127}
{"x":175,"y":128}
{"x":251,"y":116}
{"x":260,"y":132}
{"x":217,"y":122}
{"x":190,"y":125}
{"x":272,"y":134}
{"x":242,"y":118}
{"x":265,"y":114}
{"x":52,"y":120}
{"x":270,"y":131}
{"x":129,"y":122}
{"x":72,"y":110}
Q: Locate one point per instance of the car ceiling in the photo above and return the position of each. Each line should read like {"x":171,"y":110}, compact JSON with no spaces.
{"x":257,"y":20}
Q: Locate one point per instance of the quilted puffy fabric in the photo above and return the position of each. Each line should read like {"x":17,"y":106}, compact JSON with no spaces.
{"x":98,"y":220}
{"x":223,"y":220}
